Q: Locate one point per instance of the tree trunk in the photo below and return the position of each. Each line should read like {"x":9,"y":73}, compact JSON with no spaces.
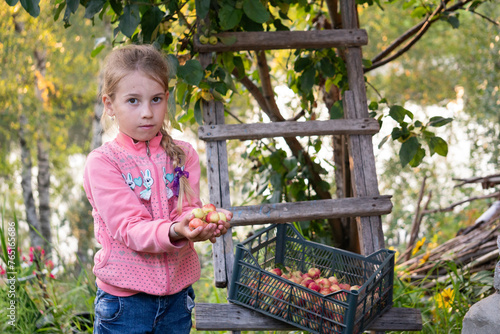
{"x":42,"y":151}
{"x":26,"y":176}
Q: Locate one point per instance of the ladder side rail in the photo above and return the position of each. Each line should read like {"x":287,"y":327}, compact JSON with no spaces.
{"x":213,"y":178}
{"x":227,"y":239}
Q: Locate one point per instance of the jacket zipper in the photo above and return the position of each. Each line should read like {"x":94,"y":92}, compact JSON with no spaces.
{"x":160,"y":206}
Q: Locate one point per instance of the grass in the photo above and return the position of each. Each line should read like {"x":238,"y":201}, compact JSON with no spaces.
{"x":49,"y":300}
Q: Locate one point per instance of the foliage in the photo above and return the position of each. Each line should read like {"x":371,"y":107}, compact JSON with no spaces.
{"x":45,"y":298}
{"x":445,"y":305}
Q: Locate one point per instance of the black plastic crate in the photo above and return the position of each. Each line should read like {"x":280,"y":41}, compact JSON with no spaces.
{"x":345,"y":311}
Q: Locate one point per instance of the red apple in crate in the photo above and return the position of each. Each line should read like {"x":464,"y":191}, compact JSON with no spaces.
{"x":323,"y":282}
{"x":325,"y":291}
{"x":314,"y":286}
{"x":296,"y":273}
{"x":285,"y":276}
{"x":306,"y":282}
{"x":355,"y":287}
{"x":333,"y":280}
{"x":208,"y":207}
{"x":295,"y":280}
{"x":345,"y":286}
{"x":213,"y":217}
{"x":306,"y":276}
{"x":314,"y":273}
{"x":276,"y":271}
{"x":334,"y":288}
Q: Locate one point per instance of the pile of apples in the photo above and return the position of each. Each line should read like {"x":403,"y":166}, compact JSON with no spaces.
{"x":207,"y":214}
{"x":312,"y":279}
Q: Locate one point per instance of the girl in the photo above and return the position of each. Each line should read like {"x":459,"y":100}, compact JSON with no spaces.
{"x":142,"y":187}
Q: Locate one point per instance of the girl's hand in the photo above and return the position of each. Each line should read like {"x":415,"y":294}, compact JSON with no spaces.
{"x":208,"y":232}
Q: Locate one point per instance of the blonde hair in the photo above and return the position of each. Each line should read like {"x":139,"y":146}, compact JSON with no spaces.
{"x":145,"y":58}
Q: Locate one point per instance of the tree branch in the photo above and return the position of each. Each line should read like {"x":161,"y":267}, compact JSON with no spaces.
{"x":417,"y":31}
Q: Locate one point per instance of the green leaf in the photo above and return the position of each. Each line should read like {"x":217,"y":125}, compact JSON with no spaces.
{"x":150,"y":21}
{"x":71,"y":4}
{"x":438,"y":145}
{"x":198,"y":113}
{"x":337,"y":110}
{"x":255,"y":11}
{"x":417,"y":159}
{"x":32,"y":7}
{"x":202,"y":8}
{"x":383,"y":141}
{"x":373,"y":105}
{"x":307,"y":80}
{"x":117,"y":6}
{"x":453,"y":21}
{"x":191,"y":72}
{"x":419,"y":12}
{"x":238,"y":63}
{"x":228,"y":40}
{"x":327,"y":68}
{"x":398,"y":113}
{"x":229,"y":17}
{"x":11,"y":2}
{"x":129,"y":20}
{"x":302,"y":63}
{"x":438,"y":121}
{"x":408,"y":150}
{"x":97,"y":50}
{"x":93,"y":7}
{"x":174,"y":65}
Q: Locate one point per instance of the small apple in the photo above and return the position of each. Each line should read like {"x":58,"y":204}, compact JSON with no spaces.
{"x":198,"y":213}
{"x":355,"y":287}
{"x":295,"y":280}
{"x":195,"y":223}
{"x":345,"y":286}
{"x":325,"y":291}
{"x":334,"y":288}
{"x":212,"y":40}
{"x":213,"y":217}
{"x":323,"y":282}
{"x":222,"y":216}
{"x":208,"y":207}
{"x":333,"y":280}
{"x":276,"y":271}
{"x":203,"y":39}
{"x":314,"y":286}
{"x":306,"y":282}
{"x":306,"y":276}
{"x":286,"y":276}
{"x":314,"y":273}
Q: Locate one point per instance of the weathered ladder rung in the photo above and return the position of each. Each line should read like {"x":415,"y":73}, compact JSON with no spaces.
{"x":273,"y":40}
{"x":308,"y":210}
{"x":222,"y":317}
{"x":362,"y":126}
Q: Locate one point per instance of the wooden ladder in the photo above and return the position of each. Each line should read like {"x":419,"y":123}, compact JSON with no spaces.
{"x":366,"y":206}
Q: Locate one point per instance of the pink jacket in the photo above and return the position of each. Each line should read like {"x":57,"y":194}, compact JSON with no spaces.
{"x":129,"y":186}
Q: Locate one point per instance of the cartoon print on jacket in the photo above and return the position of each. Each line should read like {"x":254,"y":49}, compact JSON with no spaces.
{"x":148,"y":182}
{"x":167,"y":178}
{"x":129,"y":181}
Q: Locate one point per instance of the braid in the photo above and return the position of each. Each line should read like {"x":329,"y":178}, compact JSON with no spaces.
{"x":178,"y":157}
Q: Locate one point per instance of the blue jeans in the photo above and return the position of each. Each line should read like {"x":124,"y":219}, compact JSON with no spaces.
{"x":143,"y":313}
